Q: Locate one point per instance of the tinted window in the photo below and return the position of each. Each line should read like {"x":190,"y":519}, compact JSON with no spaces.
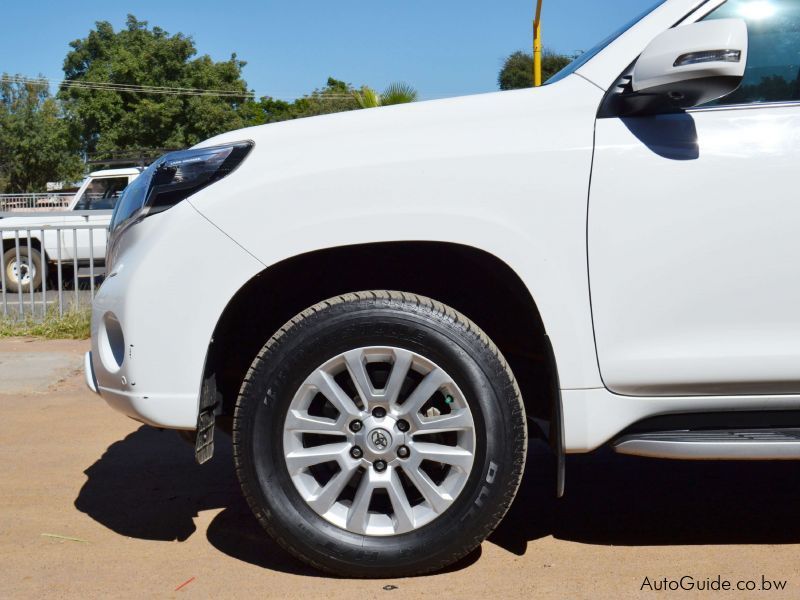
{"x":102,"y":194}
{"x":773,"y":61}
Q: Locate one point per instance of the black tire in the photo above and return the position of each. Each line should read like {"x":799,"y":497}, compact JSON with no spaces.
{"x":10,"y":259}
{"x":413,"y":323}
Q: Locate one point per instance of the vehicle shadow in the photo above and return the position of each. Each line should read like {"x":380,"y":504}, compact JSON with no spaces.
{"x":629,"y":501}
{"x":148,"y":486}
{"x":672,"y":136}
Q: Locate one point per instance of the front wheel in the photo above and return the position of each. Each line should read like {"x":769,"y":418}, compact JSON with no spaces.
{"x":379,"y":434}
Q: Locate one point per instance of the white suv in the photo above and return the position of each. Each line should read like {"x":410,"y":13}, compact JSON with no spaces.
{"x":612,"y":254}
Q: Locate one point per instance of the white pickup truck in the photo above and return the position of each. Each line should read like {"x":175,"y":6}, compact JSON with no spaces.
{"x":92,"y":205}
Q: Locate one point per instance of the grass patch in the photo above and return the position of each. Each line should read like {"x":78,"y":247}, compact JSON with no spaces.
{"x":74,"y":324}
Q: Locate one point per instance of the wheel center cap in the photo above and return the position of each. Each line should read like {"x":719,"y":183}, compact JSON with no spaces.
{"x":379,"y":440}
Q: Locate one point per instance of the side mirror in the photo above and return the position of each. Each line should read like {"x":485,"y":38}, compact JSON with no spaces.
{"x":689,"y":65}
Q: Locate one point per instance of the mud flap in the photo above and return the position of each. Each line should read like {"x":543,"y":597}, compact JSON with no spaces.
{"x":558,"y":445}
{"x":557,"y":425}
{"x":206,"y":418}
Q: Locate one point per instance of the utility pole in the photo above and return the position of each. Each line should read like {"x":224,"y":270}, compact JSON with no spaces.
{"x":537,"y":45}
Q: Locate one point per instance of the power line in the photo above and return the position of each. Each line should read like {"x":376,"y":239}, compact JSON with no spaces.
{"x":152,"y":89}
{"x":170,"y":90}
{"x":120,"y":87}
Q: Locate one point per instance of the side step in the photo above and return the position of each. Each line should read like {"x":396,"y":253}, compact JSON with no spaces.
{"x":720,"y":444}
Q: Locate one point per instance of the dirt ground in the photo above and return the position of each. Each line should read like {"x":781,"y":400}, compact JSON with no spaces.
{"x":146,"y":519}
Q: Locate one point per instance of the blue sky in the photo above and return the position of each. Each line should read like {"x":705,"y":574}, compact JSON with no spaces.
{"x":442,"y":47}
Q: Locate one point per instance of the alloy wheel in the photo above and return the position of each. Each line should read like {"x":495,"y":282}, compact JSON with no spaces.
{"x":379,"y":441}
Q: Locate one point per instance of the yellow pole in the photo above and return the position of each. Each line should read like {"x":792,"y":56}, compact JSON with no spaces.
{"x":537,"y":45}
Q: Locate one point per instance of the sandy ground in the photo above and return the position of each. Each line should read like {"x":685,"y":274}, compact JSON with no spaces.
{"x":147,"y":519}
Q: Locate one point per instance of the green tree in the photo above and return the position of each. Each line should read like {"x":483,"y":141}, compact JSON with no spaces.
{"x":396,"y":93}
{"x":115,"y":119}
{"x":517,"y":70}
{"x":336,"y":96}
{"x":36,"y":143}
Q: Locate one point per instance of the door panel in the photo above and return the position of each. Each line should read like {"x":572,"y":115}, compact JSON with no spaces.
{"x":88,"y":244}
{"x":694,"y":242}
{"x":75,"y":243}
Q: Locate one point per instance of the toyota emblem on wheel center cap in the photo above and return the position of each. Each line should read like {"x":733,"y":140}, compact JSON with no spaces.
{"x":379,"y":440}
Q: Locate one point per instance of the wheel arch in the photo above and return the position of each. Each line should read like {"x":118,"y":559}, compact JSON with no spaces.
{"x":470,"y":280}
{"x":10,"y":242}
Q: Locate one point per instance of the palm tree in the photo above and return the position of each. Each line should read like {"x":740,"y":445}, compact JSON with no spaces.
{"x":367,"y":97}
{"x":396,"y":93}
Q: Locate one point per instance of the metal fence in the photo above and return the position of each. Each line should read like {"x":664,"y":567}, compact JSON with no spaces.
{"x":35,"y":202}
{"x":61,"y":271}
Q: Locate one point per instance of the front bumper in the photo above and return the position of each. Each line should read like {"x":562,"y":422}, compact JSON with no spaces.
{"x":154,"y":315}
{"x":159,"y":411}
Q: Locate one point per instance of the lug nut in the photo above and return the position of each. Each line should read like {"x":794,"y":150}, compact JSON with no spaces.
{"x":403,"y":452}
{"x":379,"y":465}
{"x":356,"y":426}
{"x":356,"y":452}
{"x":378,"y":412}
{"x":402,"y":425}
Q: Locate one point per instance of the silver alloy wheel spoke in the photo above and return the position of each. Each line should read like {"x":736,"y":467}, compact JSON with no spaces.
{"x":316,"y":455}
{"x":358,"y":513}
{"x":448,"y":455}
{"x":403,"y":513}
{"x":302,"y":422}
{"x":400,"y":367}
{"x":434,"y":496}
{"x":358,"y":371}
{"x":422,"y":393}
{"x":325,"y":384}
{"x":455,"y":421}
{"x":383,"y":477}
{"x":323,"y":500}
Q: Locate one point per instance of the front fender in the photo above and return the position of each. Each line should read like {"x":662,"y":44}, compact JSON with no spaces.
{"x":506,"y":173}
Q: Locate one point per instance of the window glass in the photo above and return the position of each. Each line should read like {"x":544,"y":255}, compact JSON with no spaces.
{"x":102,"y":194}
{"x":585,"y":57}
{"x":773,"y":62}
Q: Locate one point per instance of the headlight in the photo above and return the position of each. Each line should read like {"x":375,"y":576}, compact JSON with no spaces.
{"x":170,"y":179}
{"x":175,"y":177}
